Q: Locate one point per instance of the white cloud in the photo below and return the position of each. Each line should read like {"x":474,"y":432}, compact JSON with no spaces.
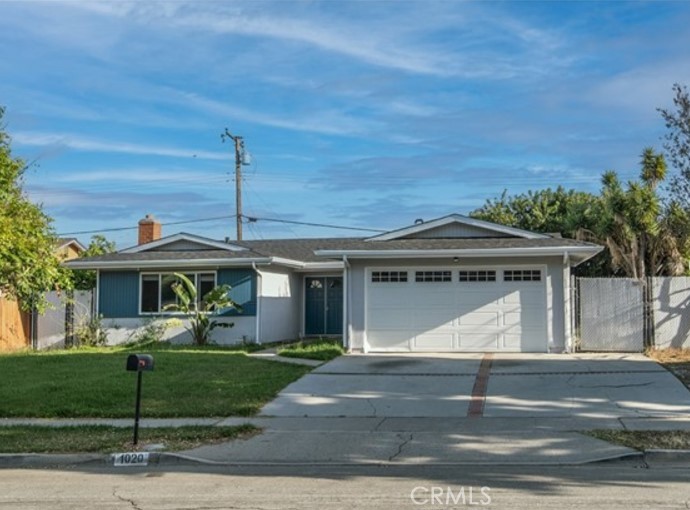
{"x":80,"y":143}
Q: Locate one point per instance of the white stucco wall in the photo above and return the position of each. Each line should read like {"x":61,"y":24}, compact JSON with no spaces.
{"x":555,"y":302}
{"x":125,"y":330}
{"x":279,"y":304}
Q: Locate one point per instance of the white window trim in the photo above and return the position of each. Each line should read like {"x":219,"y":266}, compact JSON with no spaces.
{"x":521,"y":280}
{"x":160,"y":277}
{"x":493,"y":270}
{"x":388,"y":272}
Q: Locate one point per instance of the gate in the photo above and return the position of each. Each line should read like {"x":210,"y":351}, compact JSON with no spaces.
{"x":611,"y":314}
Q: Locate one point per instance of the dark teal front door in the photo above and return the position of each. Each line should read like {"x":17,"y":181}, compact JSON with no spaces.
{"x":323,"y":305}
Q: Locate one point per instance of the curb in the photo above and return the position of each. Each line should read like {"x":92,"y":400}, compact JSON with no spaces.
{"x":38,"y":460}
{"x":659,"y":455}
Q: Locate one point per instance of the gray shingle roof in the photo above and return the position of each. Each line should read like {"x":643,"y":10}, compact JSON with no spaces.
{"x":303,"y":249}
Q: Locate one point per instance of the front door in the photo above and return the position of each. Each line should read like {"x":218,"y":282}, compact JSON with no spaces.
{"x":323,"y":305}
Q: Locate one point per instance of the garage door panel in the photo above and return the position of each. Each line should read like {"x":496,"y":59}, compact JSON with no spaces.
{"x":480,"y":318}
{"x":469,"y":296}
{"x":436,"y":296}
{"x":386,"y":318}
{"x":390,"y":297}
{"x":534,"y":292}
{"x":525,"y":342}
{"x":478,"y":341}
{"x":433,"y":318}
{"x":434,"y":342}
{"x":389,"y":340}
{"x":526,"y":318}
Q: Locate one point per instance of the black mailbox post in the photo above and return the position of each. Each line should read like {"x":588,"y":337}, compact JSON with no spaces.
{"x":138,"y":363}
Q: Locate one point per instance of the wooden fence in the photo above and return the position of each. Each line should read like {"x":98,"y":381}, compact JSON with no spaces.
{"x":14,"y":326}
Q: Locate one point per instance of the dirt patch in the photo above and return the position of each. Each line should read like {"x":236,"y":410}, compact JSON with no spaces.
{"x":677,"y":361}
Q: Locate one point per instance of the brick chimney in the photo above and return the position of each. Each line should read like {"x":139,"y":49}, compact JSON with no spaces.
{"x":149,"y":229}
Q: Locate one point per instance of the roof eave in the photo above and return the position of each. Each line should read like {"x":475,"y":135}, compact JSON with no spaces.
{"x":457,"y":218}
{"x":580,"y":253}
{"x":165,"y":264}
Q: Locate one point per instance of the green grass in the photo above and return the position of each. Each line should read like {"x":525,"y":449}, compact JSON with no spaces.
{"x":186,"y":382}
{"x":322,"y":350}
{"x":645,"y":439}
{"x":103,"y":439}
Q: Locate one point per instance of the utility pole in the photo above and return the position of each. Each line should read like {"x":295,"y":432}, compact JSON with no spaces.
{"x":239,"y":150}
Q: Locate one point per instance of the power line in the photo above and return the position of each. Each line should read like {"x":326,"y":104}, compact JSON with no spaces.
{"x":118,"y":229}
{"x":323,"y":225}
{"x":248,"y":219}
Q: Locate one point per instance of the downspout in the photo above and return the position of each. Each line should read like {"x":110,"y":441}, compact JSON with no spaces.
{"x":257,"y":325}
{"x":567,"y":304}
{"x":346,"y":304}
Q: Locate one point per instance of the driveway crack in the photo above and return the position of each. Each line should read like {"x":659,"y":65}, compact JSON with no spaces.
{"x":373,"y":407}
{"x":401,"y":446}
{"x":631,"y":385}
{"x":126,"y":500}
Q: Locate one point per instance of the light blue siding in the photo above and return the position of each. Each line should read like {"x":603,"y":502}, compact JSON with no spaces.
{"x":118,"y":294}
{"x":243,"y":292}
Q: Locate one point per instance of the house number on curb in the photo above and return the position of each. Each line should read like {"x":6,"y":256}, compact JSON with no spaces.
{"x":131,"y":459}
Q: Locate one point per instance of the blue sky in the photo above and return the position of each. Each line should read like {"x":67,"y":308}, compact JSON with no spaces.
{"x":361,"y":113}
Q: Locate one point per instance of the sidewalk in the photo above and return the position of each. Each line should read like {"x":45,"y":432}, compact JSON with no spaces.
{"x":387,"y":441}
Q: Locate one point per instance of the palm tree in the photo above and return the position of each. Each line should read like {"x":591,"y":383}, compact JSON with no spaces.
{"x":634,"y":226}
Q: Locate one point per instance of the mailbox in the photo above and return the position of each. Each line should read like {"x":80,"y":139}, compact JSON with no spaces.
{"x":139,"y":362}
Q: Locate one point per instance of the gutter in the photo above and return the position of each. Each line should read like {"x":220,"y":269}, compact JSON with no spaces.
{"x":145,"y":264}
{"x":346,"y":304}
{"x":478,"y":252}
{"x":257,"y":317}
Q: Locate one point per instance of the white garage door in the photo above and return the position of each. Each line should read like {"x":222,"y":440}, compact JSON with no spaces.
{"x":443,"y":309}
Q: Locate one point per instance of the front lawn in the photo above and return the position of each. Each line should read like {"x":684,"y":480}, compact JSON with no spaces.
{"x":322,"y":350}
{"x":186,"y":382}
{"x":103,"y":439}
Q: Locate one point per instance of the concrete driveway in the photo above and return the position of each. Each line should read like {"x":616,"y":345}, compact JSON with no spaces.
{"x":587,"y":387}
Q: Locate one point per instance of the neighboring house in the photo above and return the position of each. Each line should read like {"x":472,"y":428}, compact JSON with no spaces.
{"x":69,"y":248}
{"x":451,"y":284}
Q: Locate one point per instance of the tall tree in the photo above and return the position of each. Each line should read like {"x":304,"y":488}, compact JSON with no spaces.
{"x":558,"y":211}
{"x":28,"y":264}
{"x":85,"y":279}
{"x":635,"y":227}
{"x":677,"y":143}
{"x":554,"y":211}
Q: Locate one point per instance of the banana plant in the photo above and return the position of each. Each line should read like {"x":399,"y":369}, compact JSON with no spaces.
{"x":201,"y":312}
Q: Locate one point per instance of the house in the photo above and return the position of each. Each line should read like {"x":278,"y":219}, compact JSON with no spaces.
{"x":69,"y":248}
{"x":451,"y":284}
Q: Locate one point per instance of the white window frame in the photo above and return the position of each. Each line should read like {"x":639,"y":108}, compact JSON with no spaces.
{"x":388,"y":274}
{"x":522,"y":278}
{"x":443,"y":273}
{"x":160,"y":287}
{"x":477,"y":273}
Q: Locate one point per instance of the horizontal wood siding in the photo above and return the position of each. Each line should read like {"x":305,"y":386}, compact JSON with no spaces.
{"x":118,"y":294}
{"x":243,"y":283}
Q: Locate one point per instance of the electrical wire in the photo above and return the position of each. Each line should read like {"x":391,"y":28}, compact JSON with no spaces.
{"x":246,"y":219}
{"x":118,"y":229}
